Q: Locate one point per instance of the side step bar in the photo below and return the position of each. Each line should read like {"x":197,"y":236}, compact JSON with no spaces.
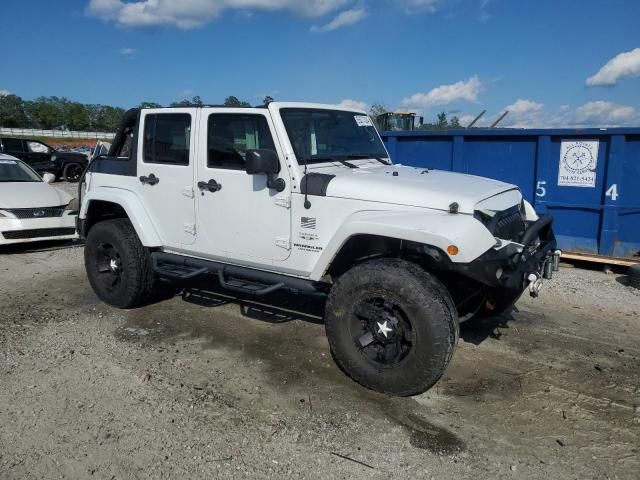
{"x":230,"y":277}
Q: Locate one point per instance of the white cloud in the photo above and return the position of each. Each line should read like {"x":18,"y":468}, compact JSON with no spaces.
{"x":446,"y":94}
{"x":344,"y":19}
{"x":625,"y":64}
{"x":415,"y":6}
{"x":355,"y":104}
{"x":529,"y":114}
{"x":4,"y":93}
{"x":127,"y":52}
{"x":465,"y":119}
{"x":187,"y":14}
{"x":606,"y":113}
{"x":524,"y":106}
{"x":184,"y":94}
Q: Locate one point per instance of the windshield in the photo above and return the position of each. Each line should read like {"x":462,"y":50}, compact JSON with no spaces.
{"x":319,"y":135}
{"x":15,"y":171}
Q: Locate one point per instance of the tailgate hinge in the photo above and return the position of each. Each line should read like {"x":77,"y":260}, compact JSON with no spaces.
{"x":190,"y":228}
{"x":283,"y":242}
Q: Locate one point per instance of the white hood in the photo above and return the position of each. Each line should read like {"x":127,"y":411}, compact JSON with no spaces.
{"x":31,"y":195}
{"x":418,"y":187}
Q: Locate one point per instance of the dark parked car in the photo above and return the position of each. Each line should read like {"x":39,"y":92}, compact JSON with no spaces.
{"x":45,"y":159}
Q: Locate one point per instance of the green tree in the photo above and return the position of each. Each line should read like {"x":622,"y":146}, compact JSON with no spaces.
{"x":454,"y":122}
{"x":442,"y":122}
{"x":149,"y":105}
{"x":375,"y":111}
{"x":108,"y":118}
{"x":76,"y":116}
{"x":194,"y":102}
{"x":47,"y":112}
{"x":267,"y":100}
{"x":13,"y":112}
{"x":235,"y":102}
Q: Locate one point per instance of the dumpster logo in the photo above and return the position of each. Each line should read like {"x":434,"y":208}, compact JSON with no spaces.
{"x":578,"y":162}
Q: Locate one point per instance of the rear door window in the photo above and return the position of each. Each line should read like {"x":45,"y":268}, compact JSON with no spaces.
{"x":166,"y":138}
{"x":13,"y":145}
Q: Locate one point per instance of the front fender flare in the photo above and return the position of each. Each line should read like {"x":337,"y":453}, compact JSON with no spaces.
{"x":435,"y":228}
{"x":132,"y":206}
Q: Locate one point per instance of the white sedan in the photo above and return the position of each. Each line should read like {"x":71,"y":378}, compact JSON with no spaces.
{"x":30,"y":208}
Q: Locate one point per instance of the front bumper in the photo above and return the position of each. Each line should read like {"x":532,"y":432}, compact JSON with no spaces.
{"x":14,"y":230}
{"x":514,"y":265}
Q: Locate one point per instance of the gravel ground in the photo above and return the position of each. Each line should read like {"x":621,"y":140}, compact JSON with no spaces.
{"x":205,"y":385}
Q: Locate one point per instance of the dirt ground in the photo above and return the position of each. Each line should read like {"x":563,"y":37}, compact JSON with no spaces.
{"x":206,"y":385}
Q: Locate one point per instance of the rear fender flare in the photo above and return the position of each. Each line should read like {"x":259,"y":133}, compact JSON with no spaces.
{"x":133,"y":207}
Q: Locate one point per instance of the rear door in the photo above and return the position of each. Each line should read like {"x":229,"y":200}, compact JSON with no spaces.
{"x":15,"y":147}
{"x":165,"y":173}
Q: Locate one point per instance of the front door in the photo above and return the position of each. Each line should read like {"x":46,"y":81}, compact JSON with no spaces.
{"x":165,"y":173}
{"x":40,"y":156}
{"x":240,"y":219}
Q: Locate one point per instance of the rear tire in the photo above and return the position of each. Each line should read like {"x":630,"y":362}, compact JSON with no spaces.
{"x":72,"y":172}
{"x":392,"y":327}
{"x":117,"y":265}
{"x":634,"y":276}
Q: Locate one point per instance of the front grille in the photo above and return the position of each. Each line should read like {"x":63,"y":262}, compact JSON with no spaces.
{"x":507,"y":225}
{"x":38,"y":233}
{"x":28,"y":213}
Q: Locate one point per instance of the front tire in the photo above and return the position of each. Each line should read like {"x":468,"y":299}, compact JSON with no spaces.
{"x":391,"y":326}
{"x":117,"y":265}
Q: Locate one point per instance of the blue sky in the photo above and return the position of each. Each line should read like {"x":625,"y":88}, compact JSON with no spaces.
{"x":550,"y":62}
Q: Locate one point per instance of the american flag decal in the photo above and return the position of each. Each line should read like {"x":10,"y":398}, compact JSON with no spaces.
{"x":308,"y":222}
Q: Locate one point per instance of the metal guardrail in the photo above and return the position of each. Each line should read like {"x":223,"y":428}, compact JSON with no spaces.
{"x":36,"y":132}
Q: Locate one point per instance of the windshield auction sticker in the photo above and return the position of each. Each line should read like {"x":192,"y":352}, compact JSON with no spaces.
{"x":363,"y":121}
{"x":578,"y":162}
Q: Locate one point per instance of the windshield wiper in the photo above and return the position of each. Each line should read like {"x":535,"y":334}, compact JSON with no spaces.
{"x":363,"y":156}
{"x":316,"y":158}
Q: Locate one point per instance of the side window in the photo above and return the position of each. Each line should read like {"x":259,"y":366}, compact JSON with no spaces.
{"x":124,"y":149}
{"x":231,"y":135}
{"x":166,"y":138}
{"x":13,"y":145}
{"x":37,"y":147}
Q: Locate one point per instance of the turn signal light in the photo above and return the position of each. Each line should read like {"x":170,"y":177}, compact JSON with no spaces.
{"x":452,"y":250}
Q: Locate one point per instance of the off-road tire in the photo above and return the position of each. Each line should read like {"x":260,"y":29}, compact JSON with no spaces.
{"x":426,"y":303}
{"x":136,"y":276}
{"x":634,"y":276}
{"x":72,"y":172}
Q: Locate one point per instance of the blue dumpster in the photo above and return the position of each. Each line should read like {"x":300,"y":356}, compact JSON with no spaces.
{"x":588,"y":179}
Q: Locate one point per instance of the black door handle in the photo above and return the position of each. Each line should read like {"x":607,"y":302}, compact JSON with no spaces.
{"x":211,"y":186}
{"x":150,"y":180}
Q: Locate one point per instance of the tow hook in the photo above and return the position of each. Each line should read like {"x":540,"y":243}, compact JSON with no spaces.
{"x":535,"y":284}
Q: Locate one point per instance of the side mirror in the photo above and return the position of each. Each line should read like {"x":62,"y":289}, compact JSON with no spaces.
{"x":266,"y":162}
{"x":262,"y":161}
{"x":48,"y":178}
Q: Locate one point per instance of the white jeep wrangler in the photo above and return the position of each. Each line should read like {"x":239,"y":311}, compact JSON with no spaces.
{"x":304,"y":197}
